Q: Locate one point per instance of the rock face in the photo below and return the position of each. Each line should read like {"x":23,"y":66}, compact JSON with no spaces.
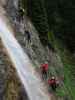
{"x":37,"y":53}
{"x":3,"y":69}
{"x":35,"y":50}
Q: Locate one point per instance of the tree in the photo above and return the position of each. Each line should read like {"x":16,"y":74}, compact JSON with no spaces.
{"x":37,"y":13}
{"x":55,"y":15}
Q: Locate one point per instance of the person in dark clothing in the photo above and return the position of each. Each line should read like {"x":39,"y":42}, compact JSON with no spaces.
{"x":52,"y":83}
{"x":21,"y":13}
{"x":28,"y":35}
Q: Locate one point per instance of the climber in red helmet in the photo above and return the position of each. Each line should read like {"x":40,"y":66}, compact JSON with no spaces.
{"x":53,"y":83}
{"x":44,"y":70}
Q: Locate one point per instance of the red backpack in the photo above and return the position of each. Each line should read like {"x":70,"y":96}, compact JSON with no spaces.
{"x":51,"y":81}
{"x":45,"y":67}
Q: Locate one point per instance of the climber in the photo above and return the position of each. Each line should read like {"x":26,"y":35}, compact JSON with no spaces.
{"x":28,"y":35}
{"x":53,"y":83}
{"x":21,"y":13}
{"x":44,"y":70}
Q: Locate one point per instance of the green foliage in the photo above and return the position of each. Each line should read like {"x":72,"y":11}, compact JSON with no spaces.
{"x":60,"y":92}
{"x":69,"y":68}
{"x":69,"y":72}
{"x":37,"y":13}
{"x":23,"y":4}
{"x":55,"y":15}
{"x":55,"y":22}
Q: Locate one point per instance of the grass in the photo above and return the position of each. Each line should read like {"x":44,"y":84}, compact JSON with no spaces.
{"x":68,"y":78}
{"x":68,"y":63}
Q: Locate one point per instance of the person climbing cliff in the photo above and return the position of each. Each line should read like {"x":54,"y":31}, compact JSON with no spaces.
{"x":21,"y":13}
{"x":28,"y":35}
{"x":44,"y":70}
{"x":53,"y":83}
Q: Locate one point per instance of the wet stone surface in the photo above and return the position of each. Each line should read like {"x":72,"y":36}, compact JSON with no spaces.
{"x":10,"y":85}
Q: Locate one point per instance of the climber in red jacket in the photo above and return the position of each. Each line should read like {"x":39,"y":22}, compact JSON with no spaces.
{"x":52,"y":82}
{"x":44,"y":70}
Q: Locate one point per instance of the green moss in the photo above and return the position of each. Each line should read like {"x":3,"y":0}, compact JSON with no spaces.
{"x":68,"y":68}
{"x":60,"y":92}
